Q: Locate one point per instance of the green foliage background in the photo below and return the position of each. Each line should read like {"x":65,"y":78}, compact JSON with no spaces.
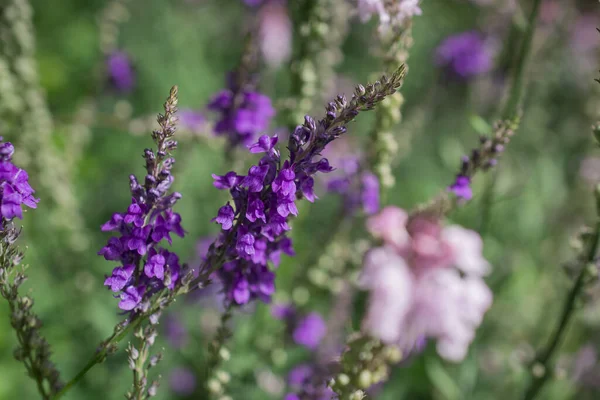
{"x":538,"y":203}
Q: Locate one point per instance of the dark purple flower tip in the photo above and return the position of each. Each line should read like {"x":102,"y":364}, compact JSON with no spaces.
{"x":264,"y":144}
{"x":462,"y":187}
{"x":182,"y":381}
{"x":227,"y":181}
{"x":131,"y":297}
{"x":120,"y":71}
{"x":225,"y":217}
{"x":120,"y":277}
{"x":310,"y":331}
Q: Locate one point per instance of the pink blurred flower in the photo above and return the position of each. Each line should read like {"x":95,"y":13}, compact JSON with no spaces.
{"x":429,"y":286}
{"x":275,"y":33}
{"x":390,"y":225}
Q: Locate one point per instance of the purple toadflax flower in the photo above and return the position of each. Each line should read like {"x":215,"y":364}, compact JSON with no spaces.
{"x":265,"y":199}
{"x":120,"y":71}
{"x":464,"y":55}
{"x":15,"y":190}
{"x":243,"y":112}
{"x":146,"y":267}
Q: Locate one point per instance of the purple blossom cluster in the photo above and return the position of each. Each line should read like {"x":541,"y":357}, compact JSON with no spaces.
{"x":243,"y":114}
{"x":146,"y":267}
{"x":15,"y":190}
{"x":254,"y":228}
{"x":120,"y":71}
{"x":359,"y":189}
{"x":464,"y":55}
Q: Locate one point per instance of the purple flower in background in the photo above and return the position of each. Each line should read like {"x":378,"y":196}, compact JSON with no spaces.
{"x":253,"y":3}
{"x":120,"y":71}
{"x":310,"y":331}
{"x":148,"y":220}
{"x":462,"y":187}
{"x":464,"y":55}
{"x":243,"y":114}
{"x":182,"y":381}
{"x":14,"y":185}
{"x":175,"y":332}
{"x":359,"y":189}
{"x":309,"y":381}
{"x":192,"y":120}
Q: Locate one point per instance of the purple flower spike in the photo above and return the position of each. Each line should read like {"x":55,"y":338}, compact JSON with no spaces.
{"x":462,"y":187}
{"x":14,"y":185}
{"x":149,"y":219}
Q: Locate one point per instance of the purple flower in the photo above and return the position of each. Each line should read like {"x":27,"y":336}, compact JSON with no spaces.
{"x":264,"y":145}
{"x":256,"y":209}
{"x":15,"y":190}
{"x":310,"y":331}
{"x":241,"y":120}
{"x":131,"y":297}
{"x":370,"y":193}
{"x":285,"y":183}
{"x":175,"y":333}
{"x":155,"y":266}
{"x":255,"y":179}
{"x":114,"y":223}
{"x":227,"y":181}
{"x":462,"y":187}
{"x":464,"y":55}
{"x":225,"y":217}
{"x":182,"y":381}
{"x":120,"y":277}
{"x":253,"y":3}
{"x":192,"y":120}
{"x":120,"y":71}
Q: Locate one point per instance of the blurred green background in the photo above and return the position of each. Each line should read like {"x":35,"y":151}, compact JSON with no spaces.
{"x":540,"y":197}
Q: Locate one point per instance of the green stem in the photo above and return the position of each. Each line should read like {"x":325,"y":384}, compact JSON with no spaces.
{"x":545,"y":356}
{"x":99,"y":356}
{"x":516,"y":92}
